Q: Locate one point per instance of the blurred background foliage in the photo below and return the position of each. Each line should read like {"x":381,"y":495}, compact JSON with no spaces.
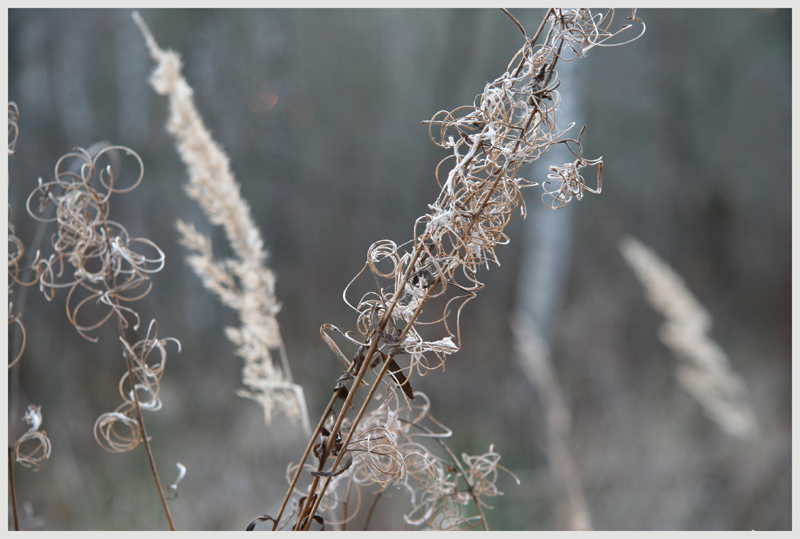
{"x":320,"y":112}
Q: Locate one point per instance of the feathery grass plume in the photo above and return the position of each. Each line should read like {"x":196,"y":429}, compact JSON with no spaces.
{"x":105,"y":271}
{"x":535,"y":361}
{"x":704,"y":370}
{"x":513,"y":122}
{"x":245,"y":283}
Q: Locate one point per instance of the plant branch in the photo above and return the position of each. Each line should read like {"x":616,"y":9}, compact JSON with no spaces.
{"x":13,"y":488}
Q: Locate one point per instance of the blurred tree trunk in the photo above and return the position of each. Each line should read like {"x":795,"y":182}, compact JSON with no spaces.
{"x":546,"y":252}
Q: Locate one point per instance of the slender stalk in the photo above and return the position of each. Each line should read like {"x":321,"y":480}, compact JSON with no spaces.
{"x":350,"y":433}
{"x":371,"y":509}
{"x":346,"y":503}
{"x":129,"y":363}
{"x":316,"y":492}
{"x":303,"y":461}
{"x":150,"y":459}
{"x":535,"y":37}
{"x":13,"y":488}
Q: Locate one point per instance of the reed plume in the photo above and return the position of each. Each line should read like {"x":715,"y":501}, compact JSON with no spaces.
{"x":704,"y":370}
{"x":244,"y":283}
{"x":534,"y":358}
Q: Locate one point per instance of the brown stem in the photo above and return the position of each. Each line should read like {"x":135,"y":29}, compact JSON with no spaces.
{"x":371,"y":509}
{"x":352,"y":430}
{"x":129,"y":362}
{"x":149,"y":452}
{"x":535,"y":38}
{"x":13,"y":488}
{"x":303,"y":461}
{"x":314,"y":498}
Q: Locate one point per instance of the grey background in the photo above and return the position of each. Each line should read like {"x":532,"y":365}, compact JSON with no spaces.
{"x":694,"y":124}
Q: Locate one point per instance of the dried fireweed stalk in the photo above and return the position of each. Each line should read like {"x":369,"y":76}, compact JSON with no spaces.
{"x":390,"y":448}
{"x":704,"y":370}
{"x":30,"y":450}
{"x":13,"y":127}
{"x":245,"y":283}
{"x":510,"y":124}
{"x":105,"y":271}
{"x":37,"y":444}
{"x":16,"y":249}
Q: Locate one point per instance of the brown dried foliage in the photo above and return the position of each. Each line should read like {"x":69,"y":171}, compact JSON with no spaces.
{"x":510,"y":124}
{"x":105,"y":271}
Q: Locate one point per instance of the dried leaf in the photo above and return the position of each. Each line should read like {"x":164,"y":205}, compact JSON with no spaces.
{"x":347,"y":461}
{"x":252,"y":526}
{"x":341,"y":386}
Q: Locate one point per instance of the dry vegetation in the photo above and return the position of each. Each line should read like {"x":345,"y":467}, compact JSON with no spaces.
{"x":376,"y":432}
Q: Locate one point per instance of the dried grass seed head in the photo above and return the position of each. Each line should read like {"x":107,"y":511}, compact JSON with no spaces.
{"x":244,"y":282}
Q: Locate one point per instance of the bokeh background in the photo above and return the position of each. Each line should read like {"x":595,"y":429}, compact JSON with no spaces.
{"x":321,"y":114}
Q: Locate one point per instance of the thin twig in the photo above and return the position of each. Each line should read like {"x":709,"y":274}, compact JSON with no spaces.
{"x":150,"y":459}
{"x":129,"y":363}
{"x":302,"y":461}
{"x":371,"y":508}
{"x":13,"y":488}
{"x":515,"y":21}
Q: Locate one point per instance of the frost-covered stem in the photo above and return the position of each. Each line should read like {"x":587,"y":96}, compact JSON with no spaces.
{"x":418,"y":252}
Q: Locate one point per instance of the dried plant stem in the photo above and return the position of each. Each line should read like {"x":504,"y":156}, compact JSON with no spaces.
{"x":511,"y":123}
{"x":13,"y":488}
{"x":146,"y":443}
{"x":139,"y":419}
{"x":351,"y":395}
{"x":348,"y":401}
{"x":303,"y":460}
{"x":371,"y":509}
{"x":334,"y":430}
{"x":337,"y":427}
{"x":420,"y":252}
